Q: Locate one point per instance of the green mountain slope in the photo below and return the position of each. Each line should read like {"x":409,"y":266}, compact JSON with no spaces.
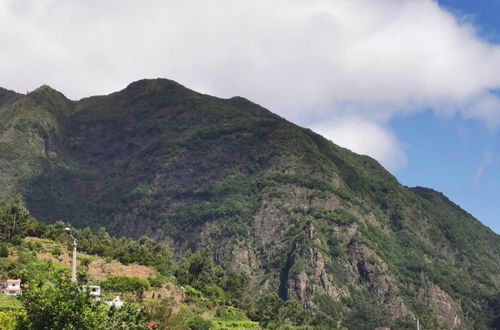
{"x":303,"y":217}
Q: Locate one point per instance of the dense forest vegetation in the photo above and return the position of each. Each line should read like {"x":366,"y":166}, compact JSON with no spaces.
{"x":265,"y":221}
{"x":51,"y":301}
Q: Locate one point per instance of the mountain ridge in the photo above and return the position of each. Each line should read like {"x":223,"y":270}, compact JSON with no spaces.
{"x":300,"y":215}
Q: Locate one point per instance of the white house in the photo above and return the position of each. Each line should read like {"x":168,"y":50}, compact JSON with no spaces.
{"x":11,"y":287}
{"x":94,"y":290}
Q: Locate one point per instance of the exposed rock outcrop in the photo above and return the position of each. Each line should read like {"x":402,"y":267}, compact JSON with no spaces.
{"x":373,"y":273}
{"x":445,"y":308}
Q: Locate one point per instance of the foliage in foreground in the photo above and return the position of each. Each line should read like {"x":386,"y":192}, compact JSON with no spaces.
{"x":59,"y":304}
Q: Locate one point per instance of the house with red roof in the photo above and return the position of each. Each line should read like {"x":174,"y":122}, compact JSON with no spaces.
{"x":11,"y":287}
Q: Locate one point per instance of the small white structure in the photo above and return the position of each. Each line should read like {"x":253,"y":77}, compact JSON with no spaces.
{"x":11,"y":287}
{"x":94,"y":290}
{"x":117,"y":302}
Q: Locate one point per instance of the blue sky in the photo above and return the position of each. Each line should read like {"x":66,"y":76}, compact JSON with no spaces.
{"x":456,"y":156}
{"x":412,"y":83}
{"x":483,"y":13}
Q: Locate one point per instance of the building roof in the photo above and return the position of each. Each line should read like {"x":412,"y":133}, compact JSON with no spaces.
{"x":11,"y":281}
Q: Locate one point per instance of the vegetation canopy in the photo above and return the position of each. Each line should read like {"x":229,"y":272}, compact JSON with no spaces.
{"x":236,"y":205}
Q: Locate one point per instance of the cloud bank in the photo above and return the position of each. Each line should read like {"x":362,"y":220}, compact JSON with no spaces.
{"x":314,"y":62}
{"x":366,"y":138}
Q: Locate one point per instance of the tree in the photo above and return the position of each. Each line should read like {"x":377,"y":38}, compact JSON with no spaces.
{"x":14,"y":220}
{"x":8,"y":319}
{"x":274,"y":313}
{"x":4,"y":251}
{"x":236,"y":285}
{"x":125,"y":284}
{"x":198,"y":270}
{"x":160,"y":314}
{"x":366,"y":312}
{"x":130,"y":316}
{"x":60,"y":304}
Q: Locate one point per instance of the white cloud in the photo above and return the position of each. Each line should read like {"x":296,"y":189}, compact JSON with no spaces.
{"x":478,"y":175}
{"x":365,"y":138}
{"x":307,"y":60}
{"x":488,"y":159}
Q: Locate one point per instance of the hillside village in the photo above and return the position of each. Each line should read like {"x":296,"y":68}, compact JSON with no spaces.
{"x":33,"y":269}
{"x":98,"y":269}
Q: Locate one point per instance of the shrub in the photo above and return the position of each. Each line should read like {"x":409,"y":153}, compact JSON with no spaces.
{"x":59,"y":305}
{"x":163,"y":316}
{"x":215,"y":293}
{"x":229,"y":313}
{"x":125,"y":284}
{"x":56,"y":251}
{"x":192,"y":292}
{"x":195,"y":321}
{"x":8,"y":319}
{"x":85,"y":261}
{"x":156,"y":282}
{"x":4,"y":251}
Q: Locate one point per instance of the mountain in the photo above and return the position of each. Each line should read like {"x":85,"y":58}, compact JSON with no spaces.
{"x":303,"y":217}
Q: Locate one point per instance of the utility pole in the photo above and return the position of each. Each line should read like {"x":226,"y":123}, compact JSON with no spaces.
{"x":73,"y":264}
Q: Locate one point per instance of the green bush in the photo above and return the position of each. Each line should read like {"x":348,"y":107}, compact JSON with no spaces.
{"x":84,"y":261}
{"x":155,"y":282}
{"x":215,"y":293}
{"x":230,"y":313}
{"x":59,"y":305}
{"x":56,"y":251}
{"x":192,"y":292}
{"x":195,"y":321}
{"x":130,"y":316}
{"x":8,"y":319}
{"x":125,"y":284}
{"x":4,"y":251}
{"x":272,"y":312}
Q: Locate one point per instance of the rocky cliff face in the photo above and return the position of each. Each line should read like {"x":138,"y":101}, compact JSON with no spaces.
{"x":446,"y":309}
{"x":301,"y":216}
